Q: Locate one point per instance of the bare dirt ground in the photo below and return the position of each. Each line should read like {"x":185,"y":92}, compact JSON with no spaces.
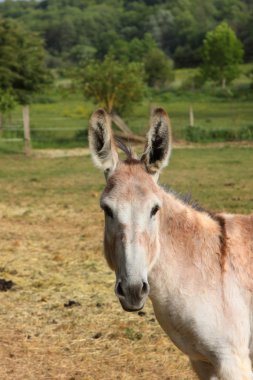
{"x":51,"y":248}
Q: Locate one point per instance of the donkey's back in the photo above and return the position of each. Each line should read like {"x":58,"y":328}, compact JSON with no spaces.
{"x":239,"y":248}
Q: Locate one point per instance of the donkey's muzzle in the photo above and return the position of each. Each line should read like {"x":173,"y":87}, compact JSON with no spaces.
{"x":132,"y":296}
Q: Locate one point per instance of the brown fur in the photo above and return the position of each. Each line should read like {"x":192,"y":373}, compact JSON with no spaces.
{"x":194,"y":238}
{"x":223,"y":241}
{"x":240,"y":247}
{"x":129,"y":171}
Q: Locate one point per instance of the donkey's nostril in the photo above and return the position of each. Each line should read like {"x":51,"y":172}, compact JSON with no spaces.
{"x":119,"y":290}
{"x":135,"y":291}
{"x":145,"y":289}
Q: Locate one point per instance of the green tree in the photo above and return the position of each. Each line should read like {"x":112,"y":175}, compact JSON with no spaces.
{"x":112,"y":84}
{"x":134,"y":50}
{"x":7,"y":104}
{"x":158,"y":68}
{"x":22,"y":65}
{"x":249,"y":74}
{"x":222,"y":53}
{"x":80,"y":28}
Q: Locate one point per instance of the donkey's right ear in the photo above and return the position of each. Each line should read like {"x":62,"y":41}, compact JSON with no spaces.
{"x":101,"y":142}
{"x":158,"y":143}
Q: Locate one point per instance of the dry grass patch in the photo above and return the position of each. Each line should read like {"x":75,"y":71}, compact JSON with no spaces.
{"x":54,"y":256}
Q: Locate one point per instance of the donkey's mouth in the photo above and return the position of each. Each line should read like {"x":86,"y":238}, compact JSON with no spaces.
{"x":132,"y":296}
{"x":131,"y":308}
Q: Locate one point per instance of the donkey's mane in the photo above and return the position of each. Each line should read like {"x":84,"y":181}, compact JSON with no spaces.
{"x":187,"y":200}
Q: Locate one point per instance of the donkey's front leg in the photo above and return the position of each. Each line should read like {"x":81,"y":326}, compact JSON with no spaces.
{"x":235,"y":367}
{"x":204,"y":370}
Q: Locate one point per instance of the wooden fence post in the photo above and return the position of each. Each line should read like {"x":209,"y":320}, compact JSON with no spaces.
{"x":1,"y":121}
{"x":26,"y":123}
{"x":191,"y":117}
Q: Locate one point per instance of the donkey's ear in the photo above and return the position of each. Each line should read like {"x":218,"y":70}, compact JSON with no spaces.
{"x":158,"y":143}
{"x":101,"y":142}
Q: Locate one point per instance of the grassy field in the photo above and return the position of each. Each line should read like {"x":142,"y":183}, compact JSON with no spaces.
{"x":51,"y":247}
{"x":60,"y":117}
{"x":64,"y":123}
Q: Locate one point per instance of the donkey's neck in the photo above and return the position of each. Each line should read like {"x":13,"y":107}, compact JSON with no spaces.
{"x":190,"y":246}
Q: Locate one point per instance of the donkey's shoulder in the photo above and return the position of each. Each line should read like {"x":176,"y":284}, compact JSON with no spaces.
{"x":239,"y":231}
{"x":239,"y":224}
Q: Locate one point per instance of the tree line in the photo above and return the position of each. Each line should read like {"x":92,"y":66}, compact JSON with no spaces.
{"x":75,"y":31}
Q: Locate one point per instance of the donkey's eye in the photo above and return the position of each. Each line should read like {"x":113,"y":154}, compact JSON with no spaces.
{"x":108,"y":211}
{"x":154,"y":210}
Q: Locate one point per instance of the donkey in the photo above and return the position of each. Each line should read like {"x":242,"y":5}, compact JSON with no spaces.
{"x":196,"y":266}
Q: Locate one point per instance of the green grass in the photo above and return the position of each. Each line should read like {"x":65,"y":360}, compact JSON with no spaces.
{"x":219,"y":178}
{"x":208,"y":114}
{"x":60,"y":117}
{"x":56,"y":120}
{"x":196,"y":134}
{"x":182,"y":75}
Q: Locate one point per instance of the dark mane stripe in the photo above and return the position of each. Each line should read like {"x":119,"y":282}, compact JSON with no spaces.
{"x":188,"y":201}
{"x":223,"y":240}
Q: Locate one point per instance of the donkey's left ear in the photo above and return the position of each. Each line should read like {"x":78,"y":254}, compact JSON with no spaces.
{"x":158,"y":143}
{"x":101,"y":142}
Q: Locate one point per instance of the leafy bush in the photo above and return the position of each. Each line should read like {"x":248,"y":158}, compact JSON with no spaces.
{"x":43,"y":99}
{"x":158,"y":69}
{"x":193,"y":82}
{"x":7,"y":101}
{"x":223,"y":93}
{"x":81,"y":135}
{"x":198,"y":134}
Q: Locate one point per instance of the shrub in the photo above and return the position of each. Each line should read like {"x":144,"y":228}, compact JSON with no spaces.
{"x":198,"y":134}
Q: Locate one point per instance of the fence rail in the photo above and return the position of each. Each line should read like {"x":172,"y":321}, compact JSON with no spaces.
{"x":57,"y":137}
{"x":11,"y":139}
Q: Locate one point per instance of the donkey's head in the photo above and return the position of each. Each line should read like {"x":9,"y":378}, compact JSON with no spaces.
{"x":131,"y":202}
